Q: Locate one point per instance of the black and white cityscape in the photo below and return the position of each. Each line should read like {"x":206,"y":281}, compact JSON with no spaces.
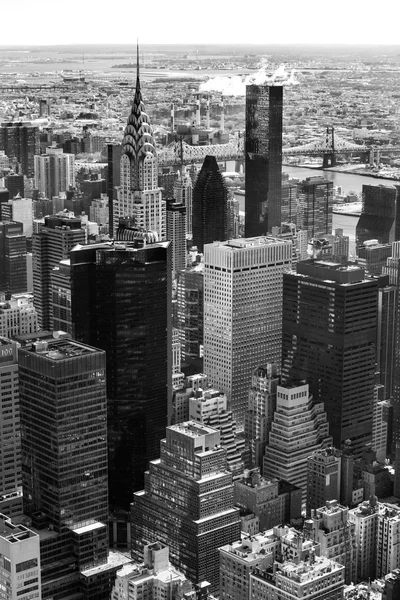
{"x":199,"y":321}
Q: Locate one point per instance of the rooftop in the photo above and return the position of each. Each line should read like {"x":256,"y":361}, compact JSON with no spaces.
{"x":56,"y":350}
{"x":192,"y":429}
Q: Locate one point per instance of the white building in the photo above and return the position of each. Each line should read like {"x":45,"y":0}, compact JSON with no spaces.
{"x":20,"y":210}
{"x":20,"y":562}
{"x":18,"y":316}
{"x":299,"y":428}
{"x":242,"y":312}
{"x":54,"y":172}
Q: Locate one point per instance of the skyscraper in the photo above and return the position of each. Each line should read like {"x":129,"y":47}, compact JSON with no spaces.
{"x":380,"y":217}
{"x":263,"y":154}
{"x":183,"y":192}
{"x":242,"y":312}
{"x":315,"y":198}
{"x":139,"y":195}
{"x":54,"y":172}
{"x":176,"y":234}
{"x":192,"y":466}
{"x":15,"y":185}
{"x":121,"y":302}
{"x":53,"y":243}
{"x":20,"y":142}
{"x":64,"y":457}
{"x":190,"y":311}
{"x":13,"y":276}
{"x":329,"y":340}
{"x":210,"y":205}
{"x":60,"y":282}
{"x":10,"y":439}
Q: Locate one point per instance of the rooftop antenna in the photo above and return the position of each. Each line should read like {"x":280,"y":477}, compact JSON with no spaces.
{"x":137,"y":58}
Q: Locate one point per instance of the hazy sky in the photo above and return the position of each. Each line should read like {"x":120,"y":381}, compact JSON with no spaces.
{"x":202,"y":21}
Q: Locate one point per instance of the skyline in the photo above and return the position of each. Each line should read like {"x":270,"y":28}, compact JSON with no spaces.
{"x":226,"y":23}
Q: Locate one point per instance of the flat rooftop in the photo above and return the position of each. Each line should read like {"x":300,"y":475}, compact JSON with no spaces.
{"x":192,"y":429}
{"x":56,"y":350}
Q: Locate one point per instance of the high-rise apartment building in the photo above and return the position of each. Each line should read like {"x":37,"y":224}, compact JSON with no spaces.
{"x":176,"y":234}
{"x":380,"y":218}
{"x":331,"y":528}
{"x":10,"y":439}
{"x":50,"y":245}
{"x":20,"y":142}
{"x":299,"y":428}
{"x":329,"y":327}
{"x":315,"y":199}
{"x":139,"y":195}
{"x":13,"y":266}
{"x":210,"y":205}
{"x":192,"y":467}
{"x":17,"y":316}
{"x":242,"y":312}
{"x":121,"y":302}
{"x":260,"y":411}
{"x":263,"y":152}
{"x":64,"y":458}
{"x":54,"y":172}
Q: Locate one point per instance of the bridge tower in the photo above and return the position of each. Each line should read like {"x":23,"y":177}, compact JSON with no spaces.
{"x":329,"y":159}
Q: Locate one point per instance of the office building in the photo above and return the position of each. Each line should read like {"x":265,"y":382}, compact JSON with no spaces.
{"x":210,"y":205}
{"x":180,"y":398}
{"x":113,"y":180}
{"x":64,"y":458}
{"x":10,"y":439}
{"x":242,"y":312}
{"x":155,"y":579}
{"x":183,"y":192}
{"x":340,"y":246}
{"x":323,"y":477}
{"x":20,"y":210}
{"x":263,"y":152}
{"x":50,"y":245}
{"x":20,"y":575}
{"x":60,"y":283}
{"x":380,"y":219}
{"x":297,"y":237}
{"x":20,"y":142}
{"x":54,"y":172}
{"x":372,"y":256}
{"x":190,"y":311}
{"x":210,"y":407}
{"x":15,"y":185}
{"x":13,"y":265}
{"x":331,"y":528}
{"x":329,"y":327}
{"x":315,"y":199}
{"x":176,"y":234}
{"x":17,"y":316}
{"x":289,"y":200}
{"x":271,"y":501}
{"x":121,"y":302}
{"x":192,"y":466}
{"x":92,"y":188}
{"x":139,"y":195}
{"x":99,"y":211}
{"x":299,"y":428}
{"x":319,"y":578}
{"x":260,"y":411}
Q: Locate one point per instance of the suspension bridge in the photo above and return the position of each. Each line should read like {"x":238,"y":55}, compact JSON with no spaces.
{"x":181,"y":153}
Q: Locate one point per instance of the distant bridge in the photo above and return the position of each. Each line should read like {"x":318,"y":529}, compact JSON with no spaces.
{"x":181,"y":153}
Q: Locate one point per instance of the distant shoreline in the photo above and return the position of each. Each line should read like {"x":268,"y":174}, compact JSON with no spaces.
{"x":336,"y":170}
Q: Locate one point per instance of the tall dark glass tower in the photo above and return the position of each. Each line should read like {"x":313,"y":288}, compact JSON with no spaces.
{"x":380,"y":216}
{"x":263,"y":155}
{"x":64,"y":458}
{"x":121,"y":302}
{"x":12,"y":258}
{"x":329,"y":339}
{"x":210,"y":205}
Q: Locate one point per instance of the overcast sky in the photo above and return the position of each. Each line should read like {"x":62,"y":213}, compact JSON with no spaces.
{"x":202,"y":21}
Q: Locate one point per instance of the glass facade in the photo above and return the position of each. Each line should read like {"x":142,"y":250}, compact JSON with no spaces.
{"x":329,"y":340}
{"x":210,"y":205}
{"x":121,"y":302}
{"x":263,"y":154}
{"x":315,"y":198}
{"x":13,"y":278}
{"x":64,"y":433}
